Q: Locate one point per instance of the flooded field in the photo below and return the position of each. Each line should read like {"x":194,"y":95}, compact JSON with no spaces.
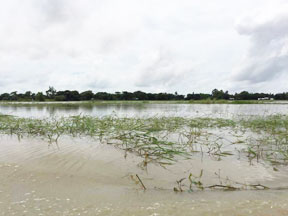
{"x":141,"y":109}
{"x":153,"y":159}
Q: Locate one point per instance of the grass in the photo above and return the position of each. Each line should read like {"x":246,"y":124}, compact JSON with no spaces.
{"x":195,"y":184}
{"x":165,"y":140}
{"x":161,"y":139}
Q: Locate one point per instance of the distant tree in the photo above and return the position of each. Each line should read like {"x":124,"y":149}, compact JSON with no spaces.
{"x":74,"y":96}
{"x":86,"y":95}
{"x":139,"y":95}
{"x":178,"y":97}
{"x":5,"y":96}
{"x":164,"y":96}
{"x":200,"y":96}
{"x":39,"y":97}
{"x":59,"y":98}
{"x":28,"y":95}
{"x":151,"y":96}
{"x":13,"y":95}
{"x":244,"y":95}
{"x":103,"y":96}
{"x":68,"y":95}
{"x":281,"y":96}
{"x":127,"y":95}
{"x":51,"y":92}
{"x":220,"y":94}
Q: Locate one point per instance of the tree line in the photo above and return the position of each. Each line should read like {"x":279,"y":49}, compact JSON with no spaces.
{"x":52,"y":95}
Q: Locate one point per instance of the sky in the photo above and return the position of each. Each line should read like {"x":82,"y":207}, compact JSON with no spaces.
{"x":149,"y":45}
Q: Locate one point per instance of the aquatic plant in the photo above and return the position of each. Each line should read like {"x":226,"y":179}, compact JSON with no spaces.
{"x":165,"y":140}
{"x":162,"y":140}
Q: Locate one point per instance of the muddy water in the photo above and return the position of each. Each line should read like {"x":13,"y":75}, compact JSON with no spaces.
{"x":142,"y":109}
{"x":82,"y":177}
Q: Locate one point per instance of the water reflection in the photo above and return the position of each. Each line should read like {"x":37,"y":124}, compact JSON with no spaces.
{"x":142,"y":110}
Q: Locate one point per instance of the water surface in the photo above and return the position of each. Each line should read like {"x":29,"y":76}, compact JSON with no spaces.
{"x":81,"y":176}
{"x":41,"y":110}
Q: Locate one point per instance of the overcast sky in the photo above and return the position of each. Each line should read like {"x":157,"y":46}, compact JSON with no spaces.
{"x":150,"y":45}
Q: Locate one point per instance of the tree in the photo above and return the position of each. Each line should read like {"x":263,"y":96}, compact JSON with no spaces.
{"x":28,"y":95}
{"x":139,"y":95}
{"x":13,"y":95}
{"x":39,"y":97}
{"x":244,"y":95}
{"x":51,"y":92}
{"x":5,"y":96}
{"x":86,"y":95}
{"x":216,"y":94}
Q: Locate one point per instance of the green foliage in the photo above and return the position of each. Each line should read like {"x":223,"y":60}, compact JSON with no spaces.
{"x":51,"y":93}
{"x":220,"y":94}
{"x":86,"y":95}
{"x":217,"y":96}
{"x":39,"y":97}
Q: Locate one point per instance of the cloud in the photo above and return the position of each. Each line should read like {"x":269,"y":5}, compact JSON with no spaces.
{"x":267,"y":58}
{"x":113,"y":45}
{"x":52,"y":11}
{"x":89,"y":44}
{"x":162,"y":69}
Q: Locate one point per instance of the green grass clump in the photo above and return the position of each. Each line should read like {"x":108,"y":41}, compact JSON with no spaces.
{"x":273,"y":123}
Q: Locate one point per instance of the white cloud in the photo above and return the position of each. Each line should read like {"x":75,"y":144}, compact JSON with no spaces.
{"x":115,"y":45}
{"x":267,"y":59}
{"x":162,"y":70}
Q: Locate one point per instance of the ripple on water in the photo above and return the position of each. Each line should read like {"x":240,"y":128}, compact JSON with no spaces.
{"x":84,"y":177}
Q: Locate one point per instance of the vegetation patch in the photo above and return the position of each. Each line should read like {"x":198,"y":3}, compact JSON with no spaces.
{"x":165,"y":140}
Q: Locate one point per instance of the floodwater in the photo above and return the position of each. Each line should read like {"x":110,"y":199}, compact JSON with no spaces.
{"x":40,"y":110}
{"x":80,"y":176}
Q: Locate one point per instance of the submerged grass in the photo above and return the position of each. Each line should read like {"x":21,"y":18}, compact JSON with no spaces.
{"x":157,"y":139}
{"x":164,"y":140}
